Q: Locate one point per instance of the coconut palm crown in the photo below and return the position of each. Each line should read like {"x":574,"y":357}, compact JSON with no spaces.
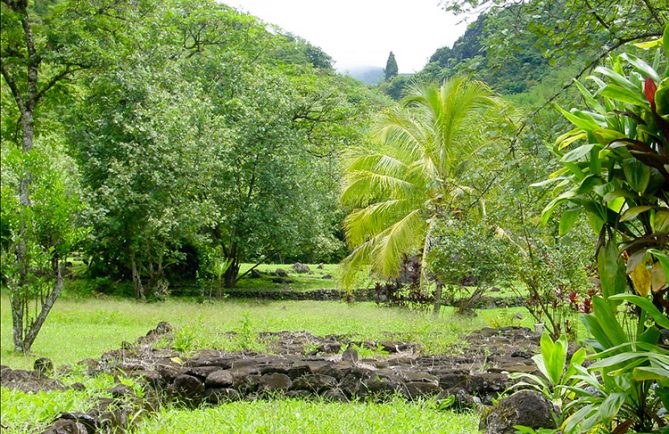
{"x":411,"y":172}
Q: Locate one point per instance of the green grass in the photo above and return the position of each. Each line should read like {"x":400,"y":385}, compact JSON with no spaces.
{"x":81,"y":328}
{"x":294,"y":416}
{"x":23,"y":412}
{"x":31,"y":412}
{"x":28,"y":412}
{"x":86,"y":327}
{"x":299,"y":281}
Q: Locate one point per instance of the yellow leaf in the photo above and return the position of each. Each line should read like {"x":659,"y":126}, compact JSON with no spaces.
{"x":658,"y":279}
{"x":570,"y":137}
{"x":177,"y":360}
{"x":641,"y":279}
{"x":649,"y":44}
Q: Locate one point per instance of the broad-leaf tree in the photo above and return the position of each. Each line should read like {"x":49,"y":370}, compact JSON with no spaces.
{"x":142,"y":142}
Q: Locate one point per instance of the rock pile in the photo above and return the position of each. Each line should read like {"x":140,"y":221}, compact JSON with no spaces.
{"x":475,"y":375}
{"x":303,"y":366}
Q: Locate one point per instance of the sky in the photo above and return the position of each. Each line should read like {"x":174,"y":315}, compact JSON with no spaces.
{"x":361,"y":33}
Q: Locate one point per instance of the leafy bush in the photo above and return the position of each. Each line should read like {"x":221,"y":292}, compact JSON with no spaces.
{"x":554,"y":274}
{"x":469,"y":255}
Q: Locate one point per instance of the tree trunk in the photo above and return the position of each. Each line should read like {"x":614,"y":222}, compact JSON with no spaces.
{"x":46,"y":308}
{"x":25,"y":329}
{"x":436,"y":308}
{"x":19,"y":300}
{"x":230,"y":276}
{"x":18,"y":315}
{"x":24,"y":333}
{"x":426,"y":250}
{"x":136,"y":278}
{"x":158,"y":284}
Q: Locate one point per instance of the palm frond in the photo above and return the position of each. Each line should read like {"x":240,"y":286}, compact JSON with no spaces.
{"x":396,"y":241}
{"x":413,"y":167}
{"x":363,"y":186}
{"x":365,"y":223}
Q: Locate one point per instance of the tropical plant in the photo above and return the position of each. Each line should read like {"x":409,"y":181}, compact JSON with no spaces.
{"x":412,"y":173}
{"x":627,"y":385}
{"x":557,"y":374}
{"x":619,"y":179}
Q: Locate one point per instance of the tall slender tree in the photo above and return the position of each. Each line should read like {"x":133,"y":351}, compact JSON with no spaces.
{"x":391,"y":69}
{"x":43,"y":46}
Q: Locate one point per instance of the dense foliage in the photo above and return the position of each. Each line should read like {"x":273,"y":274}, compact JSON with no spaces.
{"x":197,"y":136}
{"x":616,"y":175}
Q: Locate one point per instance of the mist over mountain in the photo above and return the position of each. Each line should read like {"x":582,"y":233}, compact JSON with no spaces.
{"x":366,"y":74}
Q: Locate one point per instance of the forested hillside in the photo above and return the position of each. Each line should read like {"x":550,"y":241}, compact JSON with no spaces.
{"x":532,"y":48}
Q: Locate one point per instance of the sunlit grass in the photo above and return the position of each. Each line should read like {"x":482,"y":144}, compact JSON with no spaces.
{"x":294,"y":416}
{"x":81,"y":328}
{"x":29,"y":412}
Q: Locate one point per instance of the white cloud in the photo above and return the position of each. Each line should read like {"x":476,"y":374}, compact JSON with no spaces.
{"x":362,"y":32}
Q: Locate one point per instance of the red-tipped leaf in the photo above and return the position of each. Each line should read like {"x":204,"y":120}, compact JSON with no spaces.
{"x":649,"y":89}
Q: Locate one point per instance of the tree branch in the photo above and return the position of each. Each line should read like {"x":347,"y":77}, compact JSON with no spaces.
{"x":599,"y":19}
{"x":54,"y":80}
{"x":250,"y":269}
{"x":590,"y":65}
{"x":13,"y":87}
{"x":653,"y":13}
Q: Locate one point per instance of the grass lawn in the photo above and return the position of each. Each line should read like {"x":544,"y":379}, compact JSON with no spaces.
{"x":294,"y":416}
{"x":26,"y":412}
{"x":80,"y":328}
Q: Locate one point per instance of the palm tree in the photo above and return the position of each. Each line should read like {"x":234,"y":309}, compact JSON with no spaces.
{"x":411,"y":173}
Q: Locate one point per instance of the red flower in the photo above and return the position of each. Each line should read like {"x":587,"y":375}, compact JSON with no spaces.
{"x":573,"y":297}
{"x":649,"y":89}
{"x":587,"y":305}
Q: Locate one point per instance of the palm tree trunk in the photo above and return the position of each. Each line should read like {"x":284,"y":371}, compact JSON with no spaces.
{"x":426,"y":250}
